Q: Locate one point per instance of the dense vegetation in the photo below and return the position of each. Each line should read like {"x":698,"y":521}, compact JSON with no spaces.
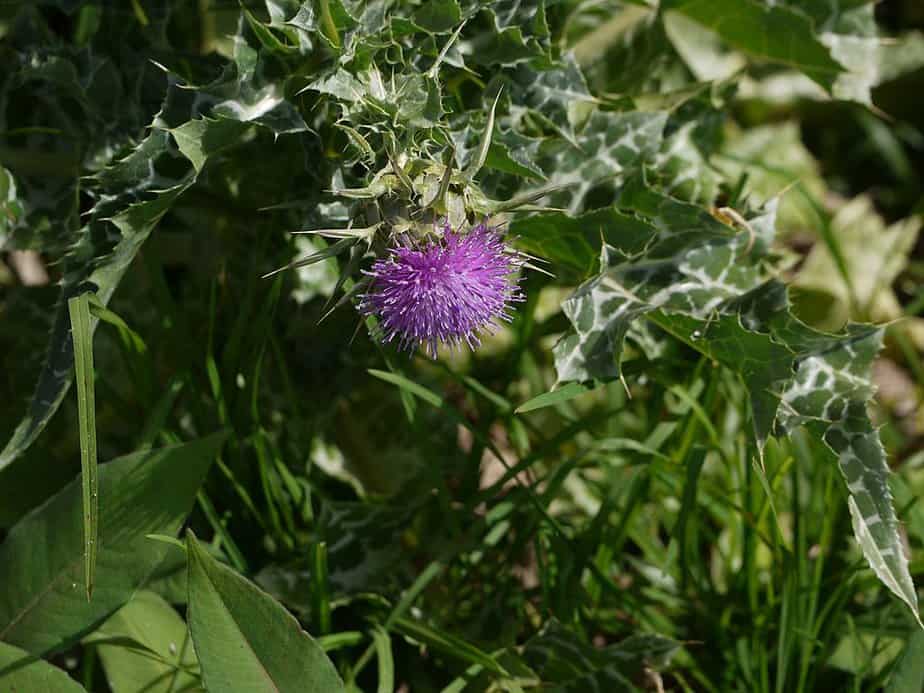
{"x":691,"y":460}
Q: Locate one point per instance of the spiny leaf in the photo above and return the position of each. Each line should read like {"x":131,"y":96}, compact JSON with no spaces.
{"x":702,"y":282}
{"x":611,"y":147}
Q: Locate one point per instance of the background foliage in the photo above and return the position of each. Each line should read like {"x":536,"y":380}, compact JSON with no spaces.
{"x":692,"y":462}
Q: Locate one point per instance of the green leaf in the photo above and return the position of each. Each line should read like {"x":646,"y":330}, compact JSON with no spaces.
{"x":876,"y":532}
{"x":908,"y":675}
{"x":20,"y":671}
{"x":438,"y":16}
{"x":161,"y":659}
{"x":199,"y":139}
{"x":690,"y":262}
{"x":246,"y":640}
{"x":386,"y":662}
{"x":558,"y":97}
{"x":41,"y":609}
{"x":800,"y":377}
{"x":775,"y":34}
{"x":547,"y":399}
{"x":522,"y":33}
{"x":611,"y":148}
{"x":573,"y":243}
{"x":82,"y":335}
{"x":426,"y":395}
{"x":447,"y":643}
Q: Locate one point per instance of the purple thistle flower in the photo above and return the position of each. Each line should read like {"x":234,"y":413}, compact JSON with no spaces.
{"x":443,"y":291}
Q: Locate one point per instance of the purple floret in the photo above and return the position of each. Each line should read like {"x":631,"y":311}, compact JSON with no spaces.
{"x":443,"y":291}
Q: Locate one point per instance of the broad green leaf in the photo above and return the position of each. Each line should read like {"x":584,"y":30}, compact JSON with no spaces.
{"x":775,"y":34}
{"x":161,"y":658}
{"x":244,"y":639}
{"x":684,"y":169}
{"x":877,"y":532}
{"x":908,"y":675}
{"x":800,"y":377}
{"x":135,"y":220}
{"x":41,"y":607}
{"x":21,"y":672}
{"x":82,"y":336}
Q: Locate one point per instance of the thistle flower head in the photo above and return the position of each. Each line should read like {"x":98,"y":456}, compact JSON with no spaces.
{"x":447,"y":290}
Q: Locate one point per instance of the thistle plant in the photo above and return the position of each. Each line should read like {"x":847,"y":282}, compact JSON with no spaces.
{"x":666,"y":478}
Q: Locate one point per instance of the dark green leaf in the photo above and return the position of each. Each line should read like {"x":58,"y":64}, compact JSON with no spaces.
{"x":41,"y":607}
{"x":21,"y":672}
{"x":438,"y":16}
{"x":908,"y":675}
{"x":167,"y":661}
{"x":246,"y":640}
{"x":573,"y":244}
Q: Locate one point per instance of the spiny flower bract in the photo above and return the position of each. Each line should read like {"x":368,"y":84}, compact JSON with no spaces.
{"x":445,"y":290}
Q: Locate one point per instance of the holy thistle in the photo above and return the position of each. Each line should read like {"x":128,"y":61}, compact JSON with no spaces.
{"x":446,"y":290}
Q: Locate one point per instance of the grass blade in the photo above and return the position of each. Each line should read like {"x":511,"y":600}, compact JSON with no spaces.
{"x":562,"y":394}
{"x":386,"y":661}
{"x":79,"y":309}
